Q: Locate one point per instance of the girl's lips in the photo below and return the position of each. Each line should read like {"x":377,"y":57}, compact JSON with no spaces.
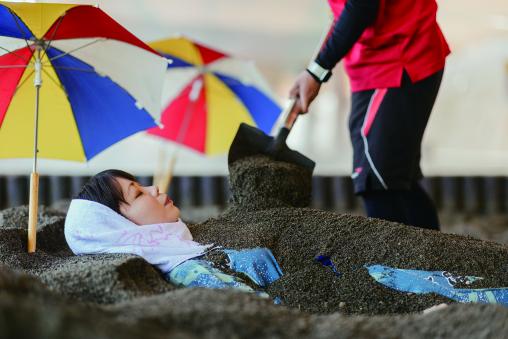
{"x":168,"y":201}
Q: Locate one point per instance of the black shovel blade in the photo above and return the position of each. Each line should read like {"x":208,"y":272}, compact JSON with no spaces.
{"x":250,"y":141}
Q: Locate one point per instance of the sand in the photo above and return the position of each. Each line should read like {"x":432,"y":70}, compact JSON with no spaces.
{"x":113,"y":296}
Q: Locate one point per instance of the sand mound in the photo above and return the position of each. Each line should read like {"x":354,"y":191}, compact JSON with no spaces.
{"x":296,"y":237}
{"x":29,"y":310}
{"x":259,"y":183}
{"x":95,"y":278}
{"x":17,"y":217}
{"x":455,"y":321}
{"x":201,"y":313}
{"x":105,"y":279}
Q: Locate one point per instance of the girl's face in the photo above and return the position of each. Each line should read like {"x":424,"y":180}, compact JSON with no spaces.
{"x":145,"y":205}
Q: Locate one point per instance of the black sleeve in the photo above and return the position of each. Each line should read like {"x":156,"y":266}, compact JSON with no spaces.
{"x":346,"y":30}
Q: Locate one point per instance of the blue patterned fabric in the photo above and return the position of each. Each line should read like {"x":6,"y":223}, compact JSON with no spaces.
{"x":258,"y":264}
{"x":440,"y":282}
{"x":201,"y":273}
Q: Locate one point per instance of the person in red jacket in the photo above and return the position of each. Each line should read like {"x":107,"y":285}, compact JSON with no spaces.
{"x":394,"y":54}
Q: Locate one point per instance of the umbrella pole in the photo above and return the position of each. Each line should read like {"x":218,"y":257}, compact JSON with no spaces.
{"x":34,"y":177}
{"x":159,"y":167}
{"x":163,"y":176}
{"x":167,"y":176}
{"x":164,"y":181}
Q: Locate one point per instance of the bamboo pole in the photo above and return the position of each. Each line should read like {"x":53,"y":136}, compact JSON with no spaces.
{"x":32,"y":216}
{"x":164,"y":178}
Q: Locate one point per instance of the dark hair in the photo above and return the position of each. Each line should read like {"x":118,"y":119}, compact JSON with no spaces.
{"x":104,"y":189}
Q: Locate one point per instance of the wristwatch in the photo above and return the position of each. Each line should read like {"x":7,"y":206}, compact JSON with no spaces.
{"x":318,"y":72}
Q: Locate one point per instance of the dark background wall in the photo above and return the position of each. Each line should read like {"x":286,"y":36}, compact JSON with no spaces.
{"x":475,"y":195}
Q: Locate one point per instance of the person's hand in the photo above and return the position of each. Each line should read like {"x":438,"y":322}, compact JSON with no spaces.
{"x":305,"y":89}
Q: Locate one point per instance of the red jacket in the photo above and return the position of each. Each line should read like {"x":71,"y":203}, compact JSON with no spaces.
{"x":404,"y":36}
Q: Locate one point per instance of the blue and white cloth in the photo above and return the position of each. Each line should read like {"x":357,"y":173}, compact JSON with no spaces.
{"x":258,"y":264}
{"x":439,"y":282}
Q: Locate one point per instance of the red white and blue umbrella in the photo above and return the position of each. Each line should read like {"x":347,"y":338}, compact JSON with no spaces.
{"x":95,"y":84}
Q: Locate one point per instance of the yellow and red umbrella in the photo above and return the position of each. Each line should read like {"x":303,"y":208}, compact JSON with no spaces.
{"x":207,"y":95}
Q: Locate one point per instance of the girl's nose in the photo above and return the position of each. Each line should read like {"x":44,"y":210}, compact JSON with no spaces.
{"x":154,"y":190}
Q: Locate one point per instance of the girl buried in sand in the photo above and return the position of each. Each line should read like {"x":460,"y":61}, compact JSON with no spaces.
{"x":113,"y":213}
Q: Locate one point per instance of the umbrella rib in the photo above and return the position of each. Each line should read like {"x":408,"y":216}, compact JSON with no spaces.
{"x":45,"y":72}
{"x":53,"y":79}
{"x":16,"y":20}
{"x":13,"y":53}
{"x":13,"y":66}
{"x":24,"y":81}
{"x":76,"y":49}
{"x":76,"y":69}
{"x":53,"y":36}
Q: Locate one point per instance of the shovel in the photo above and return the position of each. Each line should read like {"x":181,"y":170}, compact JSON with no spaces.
{"x":251,"y":141}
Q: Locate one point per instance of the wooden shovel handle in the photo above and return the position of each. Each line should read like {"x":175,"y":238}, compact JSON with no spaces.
{"x":285,"y":118}
{"x":290,"y":118}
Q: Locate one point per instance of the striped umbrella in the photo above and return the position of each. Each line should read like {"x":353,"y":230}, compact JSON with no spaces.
{"x":207,"y":94}
{"x":95,"y":84}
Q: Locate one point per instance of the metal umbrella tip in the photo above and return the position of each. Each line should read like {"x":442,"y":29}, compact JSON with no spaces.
{"x":159,"y":124}
{"x":100,"y":73}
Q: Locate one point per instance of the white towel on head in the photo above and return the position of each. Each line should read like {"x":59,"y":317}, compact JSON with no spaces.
{"x":93,"y":228}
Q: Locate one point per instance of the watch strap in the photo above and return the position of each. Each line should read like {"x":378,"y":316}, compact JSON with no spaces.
{"x":318,"y":72}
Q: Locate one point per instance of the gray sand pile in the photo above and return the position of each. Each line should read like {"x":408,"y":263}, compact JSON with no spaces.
{"x":297,"y":235}
{"x":202,"y":313}
{"x":268,"y":184}
{"x":17,"y":217}
{"x":105,"y":279}
{"x":230,"y":314}
{"x":109,"y":296}
{"x":94,"y":278}
{"x":29,"y":310}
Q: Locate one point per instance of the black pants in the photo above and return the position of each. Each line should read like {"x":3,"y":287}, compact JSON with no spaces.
{"x":387,"y":127}
{"x":411,"y":207}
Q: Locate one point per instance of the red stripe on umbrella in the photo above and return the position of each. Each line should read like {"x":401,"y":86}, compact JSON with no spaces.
{"x":209,"y":55}
{"x":185,"y":119}
{"x":91,"y":22}
{"x":10,"y":76}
